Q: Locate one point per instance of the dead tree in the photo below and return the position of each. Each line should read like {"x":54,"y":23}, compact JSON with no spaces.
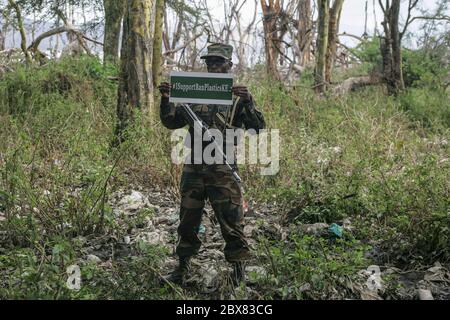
{"x":72,"y":49}
{"x":171,"y":41}
{"x":271,"y":11}
{"x":284,"y":26}
{"x":180,"y":40}
{"x":244,"y":33}
{"x":73,"y":35}
{"x":354,"y":83}
{"x":230,"y":9}
{"x":304,"y":31}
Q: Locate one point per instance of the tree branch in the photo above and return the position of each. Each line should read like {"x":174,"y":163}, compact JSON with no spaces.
{"x":35,"y":44}
{"x":380,"y":2}
{"x":411,"y":5}
{"x":183,"y":46}
{"x":20,"y":25}
{"x":345,"y":34}
{"x":77,"y":34}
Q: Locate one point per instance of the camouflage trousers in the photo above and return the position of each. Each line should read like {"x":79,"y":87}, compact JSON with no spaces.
{"x":216,"y":183}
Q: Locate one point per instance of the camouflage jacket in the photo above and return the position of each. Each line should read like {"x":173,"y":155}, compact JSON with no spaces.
{"x":246,"y":116}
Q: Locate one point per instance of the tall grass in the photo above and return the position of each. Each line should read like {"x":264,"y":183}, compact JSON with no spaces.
{"x":382,"y":162}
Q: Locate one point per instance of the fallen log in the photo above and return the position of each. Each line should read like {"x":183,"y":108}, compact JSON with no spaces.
{"x":352,"y":84}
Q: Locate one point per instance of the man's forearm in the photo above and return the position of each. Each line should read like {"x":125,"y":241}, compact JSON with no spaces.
{"x":169,"y":116}
{"x":254,"y":119}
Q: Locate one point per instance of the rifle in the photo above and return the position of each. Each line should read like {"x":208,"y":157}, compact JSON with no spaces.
{"x":194,"y":119}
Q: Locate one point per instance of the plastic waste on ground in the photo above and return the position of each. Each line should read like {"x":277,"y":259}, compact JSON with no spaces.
{"x":336,"y":230}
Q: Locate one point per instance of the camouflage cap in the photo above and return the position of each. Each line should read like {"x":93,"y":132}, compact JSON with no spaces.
{"x":219,"y":50}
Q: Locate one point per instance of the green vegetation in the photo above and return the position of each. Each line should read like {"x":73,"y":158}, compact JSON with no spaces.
{"x":383,"y":162}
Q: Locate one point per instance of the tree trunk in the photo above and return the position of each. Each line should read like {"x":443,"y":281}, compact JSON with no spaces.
{"x":321,"y":45}
{"x":177,"y":35}
{"x":2,"y":41}
{"x":304,"y":31}
{"x":23,"y":43}
{"x":124,"y":109}
{"x":136,"y":80}
{"x":68,"y":19}
{"x":114,"y":11}
{"x":333,"y":29}
{"x":270,"y":13}
{"x":386,"y":55}
{"x":3,"y":30}
{"x":3,"y":33}
{"x":56,"y":49}
{"x":157,"y":45}
{"x":396,"y":47}
{"x":390,"y":47}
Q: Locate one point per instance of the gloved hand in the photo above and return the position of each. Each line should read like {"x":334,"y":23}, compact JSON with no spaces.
{"x":242,"y":92}
{"x":164,"y":89}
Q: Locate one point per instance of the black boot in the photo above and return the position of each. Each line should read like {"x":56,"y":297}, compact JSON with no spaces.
{"x":178,"y":276}
{"x":238,"y":274}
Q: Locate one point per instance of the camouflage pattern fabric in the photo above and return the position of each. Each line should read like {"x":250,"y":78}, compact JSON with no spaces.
{"x":200,"y":182}
{"x":213,"y":182}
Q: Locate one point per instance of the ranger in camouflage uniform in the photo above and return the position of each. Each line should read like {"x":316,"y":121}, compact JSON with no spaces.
{"x":214,"y":182}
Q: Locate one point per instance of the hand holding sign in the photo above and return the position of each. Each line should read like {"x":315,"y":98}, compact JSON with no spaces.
{"x":242,"y":92}
{"x":164,"y":88}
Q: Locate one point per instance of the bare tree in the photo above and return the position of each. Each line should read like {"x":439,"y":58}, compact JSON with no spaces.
{"x":271,"y":11}
{"x":77,"y":43}
{"x":230,"y":9}
{"x":304,"y":31}
{"x":184,"y":23}
{"x":241,"y":43}
{"x":177,"y":34}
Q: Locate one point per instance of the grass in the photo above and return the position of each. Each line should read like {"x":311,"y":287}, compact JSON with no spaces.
{"x":381,"y":161}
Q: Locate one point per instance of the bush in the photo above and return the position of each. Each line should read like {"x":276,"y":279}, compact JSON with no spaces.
{"x":421,"y":69}
{"x":427,"y":105}
{"x":33,"y":273}
{"x":309,"y":268}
